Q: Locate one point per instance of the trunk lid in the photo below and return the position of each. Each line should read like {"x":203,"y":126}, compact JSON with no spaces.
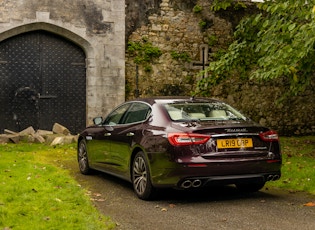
{"x":232,"y":140}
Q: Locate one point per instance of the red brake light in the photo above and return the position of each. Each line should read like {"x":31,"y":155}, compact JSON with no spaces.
{"x":269,"y":136}
{"x":180,"y":139}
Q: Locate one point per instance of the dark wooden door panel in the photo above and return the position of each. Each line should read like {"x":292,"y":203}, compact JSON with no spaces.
{"x":42,"y":81}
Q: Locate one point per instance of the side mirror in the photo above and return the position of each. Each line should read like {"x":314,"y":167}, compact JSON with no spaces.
{"x":97,"y":120}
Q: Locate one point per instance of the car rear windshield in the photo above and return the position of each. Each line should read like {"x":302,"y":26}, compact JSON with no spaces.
{"x":202,"y":111}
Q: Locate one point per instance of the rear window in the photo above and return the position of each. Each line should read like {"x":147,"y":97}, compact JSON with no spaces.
{"x":202,"y":111}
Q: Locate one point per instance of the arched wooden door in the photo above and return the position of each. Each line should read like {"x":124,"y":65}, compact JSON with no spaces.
{"x":42,"y":81}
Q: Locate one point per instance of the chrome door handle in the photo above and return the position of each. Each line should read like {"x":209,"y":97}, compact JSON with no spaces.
{"x":130,"y":134}
{"x":107,"y":134}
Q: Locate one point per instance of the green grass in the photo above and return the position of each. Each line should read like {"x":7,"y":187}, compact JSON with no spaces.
{"x":298,"y":170}
{"x":38,"y":193}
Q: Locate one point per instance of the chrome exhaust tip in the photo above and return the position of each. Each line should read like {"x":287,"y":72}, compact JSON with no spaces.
{"x":276,"y":177}
{"x":270,"y":178}
{"x":196,"y":183}
{"x":273,"y":177}
{"x":186,"y":184}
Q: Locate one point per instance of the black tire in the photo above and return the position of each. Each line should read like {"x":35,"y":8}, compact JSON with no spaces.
{"x":250,"y":187}
{"x":141,"y":179}
{"x":83,"y":158}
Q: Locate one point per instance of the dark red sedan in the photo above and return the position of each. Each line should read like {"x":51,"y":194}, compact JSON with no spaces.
{"x":180,"y":143}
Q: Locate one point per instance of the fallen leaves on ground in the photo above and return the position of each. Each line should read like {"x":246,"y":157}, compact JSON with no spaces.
{"x":172,"y":205}
{"x":95,"y":196}
{"x":310,"y":204}
{"x":163,"y":209}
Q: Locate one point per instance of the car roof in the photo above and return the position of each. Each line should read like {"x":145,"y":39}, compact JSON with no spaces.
{"x":173,"y":99}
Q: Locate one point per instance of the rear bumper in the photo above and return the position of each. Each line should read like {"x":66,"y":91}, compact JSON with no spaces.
{"x":195,"y":182}
{"x":185,"y":175}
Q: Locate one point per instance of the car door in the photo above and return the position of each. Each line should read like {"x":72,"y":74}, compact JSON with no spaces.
{"x":99,"y":146}
{"x":127,"y":134}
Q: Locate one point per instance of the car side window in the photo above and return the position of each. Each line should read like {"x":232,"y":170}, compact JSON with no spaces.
{"x":116,"y":116}
{"x":137,"y":112}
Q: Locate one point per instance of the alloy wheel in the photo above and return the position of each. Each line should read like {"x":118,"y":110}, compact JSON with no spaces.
{"x":83,"y":158}
{"x":140,"y":176}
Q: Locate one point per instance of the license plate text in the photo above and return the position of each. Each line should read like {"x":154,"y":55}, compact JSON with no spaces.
{"x":235,"y":143}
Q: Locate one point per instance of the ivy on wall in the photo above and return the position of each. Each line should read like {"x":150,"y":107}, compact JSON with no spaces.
{"x":144,"y":53}
{"x":181,"y":56}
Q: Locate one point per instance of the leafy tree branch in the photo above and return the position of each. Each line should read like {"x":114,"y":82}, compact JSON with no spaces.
{"x":277,"y":42}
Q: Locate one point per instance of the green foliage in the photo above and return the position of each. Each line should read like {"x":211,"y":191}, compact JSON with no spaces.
{"x":220,"y":5}
{"x":144,"y":53}
{"x":239,"y":5}
{"x":197,"y":9}
{"x":277,"y":42}
{"x":203,"y":24}
{"x":181,"y":56}
{"x":212,"y":40}
{"x":37,"y":194}
{"x":147,"y":68}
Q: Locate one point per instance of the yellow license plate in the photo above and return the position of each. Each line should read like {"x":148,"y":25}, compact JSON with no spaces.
{"x":234,"y":143}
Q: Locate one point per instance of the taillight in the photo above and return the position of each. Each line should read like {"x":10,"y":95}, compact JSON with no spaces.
{"x":180,"y":139}
{"x":269,"y":136}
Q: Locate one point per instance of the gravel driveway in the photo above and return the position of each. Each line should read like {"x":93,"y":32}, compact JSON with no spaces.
{"x":215,"y":208}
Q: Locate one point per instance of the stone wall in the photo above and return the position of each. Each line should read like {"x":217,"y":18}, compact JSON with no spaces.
{"x":266,"y":103}
{"x":97,"y":26}
{"x":174,"y":27}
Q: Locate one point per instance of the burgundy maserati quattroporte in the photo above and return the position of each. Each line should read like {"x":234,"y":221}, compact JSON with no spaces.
{"x":180,"y":143}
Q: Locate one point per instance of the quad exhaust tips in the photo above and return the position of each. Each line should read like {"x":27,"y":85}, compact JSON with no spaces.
{"x":273,"y":177}
{"x":191,"y":184}
{"x":196,"y":183}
